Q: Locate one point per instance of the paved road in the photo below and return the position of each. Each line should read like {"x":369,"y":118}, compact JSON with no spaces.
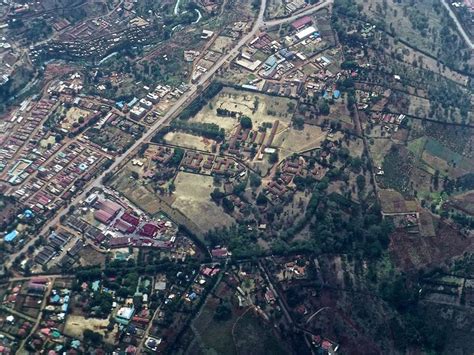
{"x":466,"y":37}
{"x":292,"y":18}
{"x":176,"y":108}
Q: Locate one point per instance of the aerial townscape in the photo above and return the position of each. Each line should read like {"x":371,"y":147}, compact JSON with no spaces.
{"x":237,"y":177}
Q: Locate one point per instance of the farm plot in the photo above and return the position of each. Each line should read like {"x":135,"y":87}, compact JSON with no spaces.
{"x":192,"y":198}
{"x":259,"y":107}
{"x":393,"y":202}
{"x":444,"y":159}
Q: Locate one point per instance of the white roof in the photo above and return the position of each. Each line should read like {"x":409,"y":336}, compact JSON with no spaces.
{"x":306,"y":32}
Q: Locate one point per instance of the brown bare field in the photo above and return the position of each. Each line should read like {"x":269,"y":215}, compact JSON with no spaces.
{"x":393,"y":202}
{"x":189,"y":141}
{"x":221,"y":44}
{"x":293,"y":141}
{"x":412,"y":251}
{"x":75,"y":326}
{"x":72,"y":116}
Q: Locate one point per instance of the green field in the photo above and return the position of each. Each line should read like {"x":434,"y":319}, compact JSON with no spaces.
{"x":243,"y":333}
{"x":436,"y":149}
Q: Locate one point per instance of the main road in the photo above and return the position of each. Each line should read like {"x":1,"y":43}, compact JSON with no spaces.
{"x":176,"y":108}
{"x":461,"y":30}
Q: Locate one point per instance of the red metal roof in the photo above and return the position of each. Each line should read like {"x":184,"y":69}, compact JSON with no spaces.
{"x":300,"y":23}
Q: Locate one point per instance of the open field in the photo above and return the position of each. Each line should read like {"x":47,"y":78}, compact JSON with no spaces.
{"x":75,"y":326}
{"x":259,"y":107}
{"x":152,"y":202}
{"x":221,"y":44}
{"x":72,"y":116}
{"x":192,"y":198}
{"x":293,"y":141}
{"x":243,"y":332}
{"x":189,"y":141}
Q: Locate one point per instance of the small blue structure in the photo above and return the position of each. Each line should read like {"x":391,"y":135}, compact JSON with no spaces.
{"x":55,"y":299}
{"x":28,"y":213}
{"x":336,"y":94}
{"x":95,"y":286}
{"x":10,"y":237}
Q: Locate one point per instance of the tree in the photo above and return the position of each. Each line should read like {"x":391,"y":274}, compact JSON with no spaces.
{"x":217,"y":194}
{"x":324,"y":108}
{"x":228,"y":205}
{"x":92,"y":337}
{"x":246,"y":122}
{"x":261,"y":199}
{"x":298,"y":122}
{"x":273,"y":158}
{"x":223,"y":312}
{"x":255,"y":180}
{"x":360,"y":181}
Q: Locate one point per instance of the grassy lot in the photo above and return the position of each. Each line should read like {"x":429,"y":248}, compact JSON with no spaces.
{"x":72,"y":116}
{"x":253,"y":336}
{"x":259,"y":107}
{"x":189,"y":141}
{"x":75,"y":326}
{"x":296,"y":141}
{"x":196,"y":203}
{"x":242,"y":333}
{"x":378,"y":149}
{"x":275,"y":8}
{"x":221,"y":44}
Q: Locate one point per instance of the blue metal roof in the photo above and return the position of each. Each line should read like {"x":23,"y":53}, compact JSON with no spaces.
{"x":11,"y":236}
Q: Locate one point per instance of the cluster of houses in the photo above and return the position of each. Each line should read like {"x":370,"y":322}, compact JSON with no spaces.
{"x":15,"y":133}
{"x":211,"y":164}
{"x":139,"y":108}
{"x":128,"y":228}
